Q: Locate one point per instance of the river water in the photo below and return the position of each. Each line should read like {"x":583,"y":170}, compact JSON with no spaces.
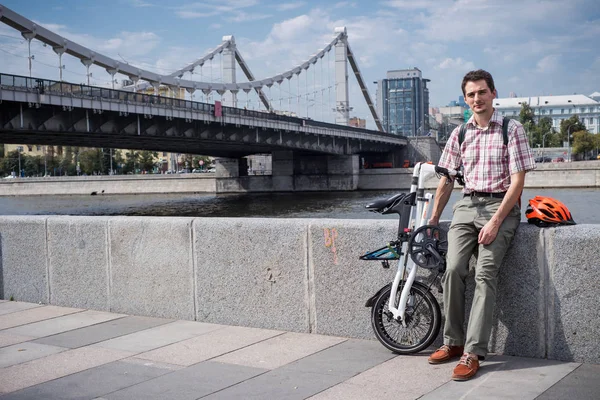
{"x":583,"y":204}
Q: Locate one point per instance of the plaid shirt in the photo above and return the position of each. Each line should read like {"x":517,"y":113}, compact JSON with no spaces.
{"x":488,"y":163}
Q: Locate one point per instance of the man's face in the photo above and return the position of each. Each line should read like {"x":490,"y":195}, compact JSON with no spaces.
{"x":479,"y":96}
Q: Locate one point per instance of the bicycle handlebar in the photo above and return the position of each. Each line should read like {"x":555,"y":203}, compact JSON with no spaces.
{"x":451,"y":174}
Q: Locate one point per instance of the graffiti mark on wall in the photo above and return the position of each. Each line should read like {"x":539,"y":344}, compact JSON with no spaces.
{"x":330,"y":236}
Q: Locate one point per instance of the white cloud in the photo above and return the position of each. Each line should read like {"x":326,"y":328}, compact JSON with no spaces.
{"x":412,"y":4}
{"x":345,"y":4}
{"x":245,"y":17}
{"x":456,"y":64}
{"x":141,"y":3}
{"x":213,"y":8}
{"x":548,"y":64}
{"x":289,"y":6}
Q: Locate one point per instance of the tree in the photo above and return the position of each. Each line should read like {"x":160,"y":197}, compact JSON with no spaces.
{"x":131,"y":161}
{"x":91,"y":161}
{"x":527,"y":118}
{"x":119,"y":161}
{"x":66,"y":164}
{"x":147,"y":160}
{"x":10,"y":163}
{"x":207,"y":162}
{"x":583,"y":142}
{"x":543,"y":134}
{"x":570,"y":125}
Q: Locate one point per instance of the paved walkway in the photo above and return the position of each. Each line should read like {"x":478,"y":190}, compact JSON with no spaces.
{"x":49,"y":352}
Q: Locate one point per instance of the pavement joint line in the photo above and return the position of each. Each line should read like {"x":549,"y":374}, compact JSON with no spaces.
{"x":16,"y":311}
{"x":45,"y":319}
{"x":108,"y":266}
{"x":194,"y":268}
{"x":81,"y":327}
{"x":220,"y":355}
{"x":272,"y":337}
{"x":48,"y":277}
{"x":560,"y":380}
{"x":234,"y":384}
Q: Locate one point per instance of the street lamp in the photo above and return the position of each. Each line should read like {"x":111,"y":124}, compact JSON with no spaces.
{"x":544,"y":146}
{"x":19,"y":150}
{"x":569,"y":142}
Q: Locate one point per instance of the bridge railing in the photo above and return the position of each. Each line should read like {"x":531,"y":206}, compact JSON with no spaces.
{"x":46,"y":86}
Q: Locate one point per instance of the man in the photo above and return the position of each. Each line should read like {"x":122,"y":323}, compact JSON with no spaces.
{"x":484,"y":222}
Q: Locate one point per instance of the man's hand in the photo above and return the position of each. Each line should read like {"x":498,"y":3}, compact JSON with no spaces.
{"x":489,"y":232}
{"x":434,"y":221}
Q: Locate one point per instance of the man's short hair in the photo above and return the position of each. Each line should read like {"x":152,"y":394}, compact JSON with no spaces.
{"x":478,"y":75}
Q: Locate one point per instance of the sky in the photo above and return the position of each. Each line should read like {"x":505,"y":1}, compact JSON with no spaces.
{"x":531,"y":47}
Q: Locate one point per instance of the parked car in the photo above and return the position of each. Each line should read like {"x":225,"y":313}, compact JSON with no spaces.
{"x":543,"y":159}
{"x":212,"y":169}
{"x":558,"y":159}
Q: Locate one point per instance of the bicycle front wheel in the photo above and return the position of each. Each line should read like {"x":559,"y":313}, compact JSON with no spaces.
{"x":423,"y":320}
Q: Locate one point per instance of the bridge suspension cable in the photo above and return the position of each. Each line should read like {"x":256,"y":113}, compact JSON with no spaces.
{"x":228,"y":87}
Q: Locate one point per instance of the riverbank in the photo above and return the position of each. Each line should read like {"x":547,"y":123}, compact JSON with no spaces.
{"x":582,"y":174}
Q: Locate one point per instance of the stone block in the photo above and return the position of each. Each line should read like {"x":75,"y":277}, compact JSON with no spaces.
{"x":252,"y":272}
{"x":23,"y":259}
{"x":78,"y":262}
{"x":572,"y":293}
{"x":340,"y":283}
{"x":519,"y":318}
{"x":151,"y":270}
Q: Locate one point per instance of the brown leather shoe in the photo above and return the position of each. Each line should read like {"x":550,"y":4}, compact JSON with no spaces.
{"x":445,"y":353}
{"x":466,"y":369}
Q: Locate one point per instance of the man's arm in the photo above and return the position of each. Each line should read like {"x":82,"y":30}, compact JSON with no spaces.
{"x":490,"y":230}
{"x":442,"y":195}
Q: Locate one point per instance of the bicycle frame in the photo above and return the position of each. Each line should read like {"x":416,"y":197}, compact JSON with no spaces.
{"x":419,"y":214}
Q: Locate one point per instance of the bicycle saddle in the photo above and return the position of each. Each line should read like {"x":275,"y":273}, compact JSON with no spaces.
{"x":383,"y":205}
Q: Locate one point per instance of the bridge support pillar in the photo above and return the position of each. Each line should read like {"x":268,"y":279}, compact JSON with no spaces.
{"x":227,"y":175}
{"x":294,"y":172}
{"x":282,"y":167}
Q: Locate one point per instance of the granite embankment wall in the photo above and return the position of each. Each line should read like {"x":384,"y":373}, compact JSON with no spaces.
{"x":577,"y":174}
{"x":106,"y":184}
{"x":293,"y":274}
{"x":546,"y":175}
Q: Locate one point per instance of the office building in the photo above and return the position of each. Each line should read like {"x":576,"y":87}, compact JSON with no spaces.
{"x":403,"y":102}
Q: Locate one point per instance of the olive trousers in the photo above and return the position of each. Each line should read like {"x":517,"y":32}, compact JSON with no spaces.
{"x":470,"y":215}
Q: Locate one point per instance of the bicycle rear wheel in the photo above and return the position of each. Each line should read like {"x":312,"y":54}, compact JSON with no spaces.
{"x":423,"y":320}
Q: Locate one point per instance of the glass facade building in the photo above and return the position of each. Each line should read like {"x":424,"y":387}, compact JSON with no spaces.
{"x":403,"y":102}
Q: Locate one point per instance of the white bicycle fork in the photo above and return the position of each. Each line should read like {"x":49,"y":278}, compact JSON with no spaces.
{"x":406,"y":265}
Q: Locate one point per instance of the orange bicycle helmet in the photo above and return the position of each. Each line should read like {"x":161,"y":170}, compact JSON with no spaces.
{"x":546,"y":211}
